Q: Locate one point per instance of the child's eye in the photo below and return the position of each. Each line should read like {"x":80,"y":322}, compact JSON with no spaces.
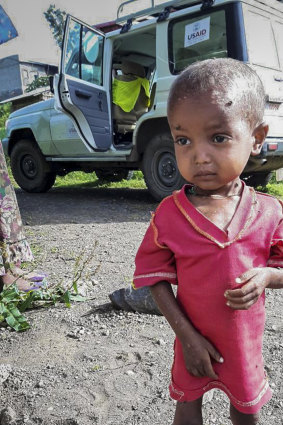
{"x":182,"y":141}
{"x":220,"y":138}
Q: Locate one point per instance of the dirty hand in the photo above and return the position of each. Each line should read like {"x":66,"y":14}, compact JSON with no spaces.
{"x":198,"y":356}
{"x":253,"y":282}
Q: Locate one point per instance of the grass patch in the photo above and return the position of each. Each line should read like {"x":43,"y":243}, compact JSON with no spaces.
{"x":79,"y":179}
{"x":2,"y":133}
{"x":274,"y":189}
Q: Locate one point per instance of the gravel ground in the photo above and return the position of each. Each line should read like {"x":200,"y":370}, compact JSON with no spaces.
{"x":91,"y":364}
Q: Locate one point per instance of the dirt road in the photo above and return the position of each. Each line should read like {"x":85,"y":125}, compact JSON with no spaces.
{"x":91,"y":364}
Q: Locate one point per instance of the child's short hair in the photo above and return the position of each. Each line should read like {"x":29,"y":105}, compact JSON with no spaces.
{"x":228,"y":81}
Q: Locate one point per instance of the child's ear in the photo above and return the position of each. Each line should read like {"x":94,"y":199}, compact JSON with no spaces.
{"x":259,"y":135}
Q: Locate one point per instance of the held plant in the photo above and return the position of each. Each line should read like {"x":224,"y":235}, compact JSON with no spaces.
{"x":13,"y":302}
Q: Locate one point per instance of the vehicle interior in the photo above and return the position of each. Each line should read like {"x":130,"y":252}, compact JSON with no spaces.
{"x":134,"y":57}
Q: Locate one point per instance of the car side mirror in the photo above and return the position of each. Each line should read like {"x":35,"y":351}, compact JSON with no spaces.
{"x":51,"y":81}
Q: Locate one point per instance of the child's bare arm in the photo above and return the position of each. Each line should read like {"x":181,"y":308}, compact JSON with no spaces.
{"x":198,"y":351}
{"x":253,"y":283}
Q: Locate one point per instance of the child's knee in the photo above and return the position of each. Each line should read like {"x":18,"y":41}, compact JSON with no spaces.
{"x":239,"y":418}
{"x":188,"y":413}
{"x":252,"y":419}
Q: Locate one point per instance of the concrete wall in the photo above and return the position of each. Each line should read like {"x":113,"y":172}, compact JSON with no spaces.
{"x":29,"y":72}
{"x":10,"y":77}
{"x":16,"y":75}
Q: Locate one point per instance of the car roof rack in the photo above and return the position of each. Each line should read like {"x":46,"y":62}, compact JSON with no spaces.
{"x":154,"y":10}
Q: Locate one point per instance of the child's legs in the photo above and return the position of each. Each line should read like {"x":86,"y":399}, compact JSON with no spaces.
{"x":188,"y":413}
{"x":239,"y":418}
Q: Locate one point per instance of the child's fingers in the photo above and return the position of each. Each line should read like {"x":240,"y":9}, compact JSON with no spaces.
{"x":253,"y":296}
{"x":245,"y":277}
{"x":204,"y":369}
{"x":243,"y":298}
{"x":214,"y":354}
{"x":209,"y":371}
{"x":252,"y":291}
{"x":241,"y":306}
{"x":254,"y":287}
{"x":196,"y":372}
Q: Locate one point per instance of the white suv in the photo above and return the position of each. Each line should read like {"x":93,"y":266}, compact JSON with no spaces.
{"x":87,"y":131}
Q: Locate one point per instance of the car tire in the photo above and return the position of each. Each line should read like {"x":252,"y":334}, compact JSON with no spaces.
{"x":159,"y":167}
{"x":114,"y":175}
{"x":257,"y":179}
{"x":30,"y":169}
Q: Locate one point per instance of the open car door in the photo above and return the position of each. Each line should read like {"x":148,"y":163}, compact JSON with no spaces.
{"x":79,"y":90}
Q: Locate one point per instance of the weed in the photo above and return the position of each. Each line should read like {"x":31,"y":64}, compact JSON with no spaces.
{"x":14,"y":302}
{"x":80,"y":267}
{"x":96,"y":368}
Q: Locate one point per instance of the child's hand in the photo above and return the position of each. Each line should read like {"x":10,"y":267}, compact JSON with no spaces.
{"x":198,"y":355}
{"x":253,"y":283}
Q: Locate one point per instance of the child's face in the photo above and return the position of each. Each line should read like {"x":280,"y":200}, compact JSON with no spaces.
{"x":212,"y":142}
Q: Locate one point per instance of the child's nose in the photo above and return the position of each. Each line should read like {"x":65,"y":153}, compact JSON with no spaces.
{"x":201,"y":155}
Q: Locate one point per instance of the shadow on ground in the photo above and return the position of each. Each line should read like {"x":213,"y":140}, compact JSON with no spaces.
{"x":87,"y":205}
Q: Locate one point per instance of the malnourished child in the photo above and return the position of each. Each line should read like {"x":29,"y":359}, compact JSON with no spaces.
{"x":218,"y":240}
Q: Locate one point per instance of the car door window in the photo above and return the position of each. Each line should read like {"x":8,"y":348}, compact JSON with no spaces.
{"x":72,"y":56}
{"x":84,"y":54}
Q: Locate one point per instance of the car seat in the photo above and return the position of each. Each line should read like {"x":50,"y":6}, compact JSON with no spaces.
{"x":125,"y":121}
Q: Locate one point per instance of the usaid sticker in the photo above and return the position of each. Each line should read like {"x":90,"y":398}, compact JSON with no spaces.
{"x":197,"y":32}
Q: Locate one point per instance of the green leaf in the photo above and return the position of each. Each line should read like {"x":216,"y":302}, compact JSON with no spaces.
{"x":14,"y":318}
{"x":2,"y":309}
{"x":27,"y":303}
{"x":67,"y":299}
{"x":9,"y":294}
{"x":78,"y":298}
{"x":75,"y":287}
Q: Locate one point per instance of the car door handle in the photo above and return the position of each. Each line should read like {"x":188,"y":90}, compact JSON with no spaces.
{"x":84,"y":94}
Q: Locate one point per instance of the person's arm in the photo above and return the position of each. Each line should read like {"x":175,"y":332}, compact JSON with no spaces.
{"x":276,"y":278}
{"x":253,"y":283}
{"x":198,"y":351}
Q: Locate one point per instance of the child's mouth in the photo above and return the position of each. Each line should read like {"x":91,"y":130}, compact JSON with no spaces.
{"x":204,"y":174}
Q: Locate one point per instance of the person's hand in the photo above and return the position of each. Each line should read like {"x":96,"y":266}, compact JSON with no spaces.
{"x":198,"y":356}
{"x":253,"y":282}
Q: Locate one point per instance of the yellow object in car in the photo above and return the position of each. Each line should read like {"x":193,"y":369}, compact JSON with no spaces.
{"x":126,"y":93}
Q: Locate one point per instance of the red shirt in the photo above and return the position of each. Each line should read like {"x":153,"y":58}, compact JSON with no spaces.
{"x":184,"y":247}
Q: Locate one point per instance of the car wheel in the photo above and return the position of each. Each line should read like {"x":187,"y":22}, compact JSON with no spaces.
{"x":29,"y":167}
{"x":114,"y":175}
{"x":257,"y":179}
{"x":159,"y":167}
